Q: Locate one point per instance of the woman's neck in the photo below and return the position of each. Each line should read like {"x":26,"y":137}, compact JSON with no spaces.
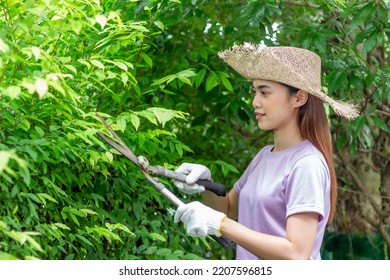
{"x":286,"y":138}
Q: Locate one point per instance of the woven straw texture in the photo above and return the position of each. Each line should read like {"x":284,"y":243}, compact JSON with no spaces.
{"x":292,"y":66}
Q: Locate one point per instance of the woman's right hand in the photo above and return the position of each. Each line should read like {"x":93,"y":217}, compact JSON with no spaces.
{"x":194,"y":172}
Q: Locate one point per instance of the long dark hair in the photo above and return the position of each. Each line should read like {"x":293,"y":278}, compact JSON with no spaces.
{"x":314,"y":126}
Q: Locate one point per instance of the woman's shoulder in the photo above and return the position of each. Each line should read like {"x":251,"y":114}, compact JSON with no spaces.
{"x":304,"y":153}
{"x":310,"y":151}
{"x":309,"y":156}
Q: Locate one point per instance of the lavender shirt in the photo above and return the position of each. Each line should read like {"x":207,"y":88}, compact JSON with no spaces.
{"x":276,"y":185}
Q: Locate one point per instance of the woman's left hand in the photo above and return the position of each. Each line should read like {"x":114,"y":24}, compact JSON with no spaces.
{"x":200,"y":220}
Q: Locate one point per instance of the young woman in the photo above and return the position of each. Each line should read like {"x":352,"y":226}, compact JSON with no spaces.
{"x":280,"y":206}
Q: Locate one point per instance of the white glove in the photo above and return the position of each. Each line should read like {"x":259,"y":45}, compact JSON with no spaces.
{"x":200,"y":220}
{"x":194,"y":172}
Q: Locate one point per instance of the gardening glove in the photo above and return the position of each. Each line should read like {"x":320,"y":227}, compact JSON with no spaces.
{"x":199,"y":220}
{"x":194,"y":172}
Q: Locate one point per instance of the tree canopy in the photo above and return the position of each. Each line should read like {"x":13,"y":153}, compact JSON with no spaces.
{"x":150,"y":68}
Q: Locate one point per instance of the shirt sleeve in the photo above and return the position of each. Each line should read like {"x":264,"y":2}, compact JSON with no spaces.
{"x":308,"y":186}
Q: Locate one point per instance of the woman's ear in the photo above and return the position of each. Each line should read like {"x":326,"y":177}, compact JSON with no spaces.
{"x":301,"y":98}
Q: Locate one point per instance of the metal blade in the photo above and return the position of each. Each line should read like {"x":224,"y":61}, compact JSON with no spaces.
{"x":126,"y":152}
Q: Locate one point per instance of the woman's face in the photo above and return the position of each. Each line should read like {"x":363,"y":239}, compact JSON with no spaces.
{"x":274,"y":107}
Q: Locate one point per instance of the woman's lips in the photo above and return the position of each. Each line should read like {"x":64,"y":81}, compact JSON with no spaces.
{"x":259,"y":116}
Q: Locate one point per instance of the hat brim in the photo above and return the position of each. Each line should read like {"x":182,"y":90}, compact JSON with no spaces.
{"x":253,"y":63}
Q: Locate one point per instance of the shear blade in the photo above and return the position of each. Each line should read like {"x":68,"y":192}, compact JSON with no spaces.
{"x":125,"y":152}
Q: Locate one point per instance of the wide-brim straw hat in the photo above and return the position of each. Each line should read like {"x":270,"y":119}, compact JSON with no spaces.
{"x":292,"y":66}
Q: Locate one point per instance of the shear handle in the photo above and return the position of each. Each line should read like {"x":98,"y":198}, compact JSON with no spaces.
{"x":216,"y":188}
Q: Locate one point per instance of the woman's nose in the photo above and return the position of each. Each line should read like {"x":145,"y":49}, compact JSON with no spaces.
{"x":256,"y":102}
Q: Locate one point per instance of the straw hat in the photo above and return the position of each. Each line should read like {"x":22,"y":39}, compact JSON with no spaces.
{"x":292,"y":66}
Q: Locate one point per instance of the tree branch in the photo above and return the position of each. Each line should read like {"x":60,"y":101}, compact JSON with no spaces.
{"x":358,"y":183}
{"x":384,"y":232}
{"x":382,"y":112}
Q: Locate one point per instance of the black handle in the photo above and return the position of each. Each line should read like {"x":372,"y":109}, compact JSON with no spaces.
{"x":216,"y":188}
{"x":225,"y":242}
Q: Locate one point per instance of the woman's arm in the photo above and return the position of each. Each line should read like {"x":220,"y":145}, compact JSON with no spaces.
{"x":227,"y":204}
{"x":298,"y":244}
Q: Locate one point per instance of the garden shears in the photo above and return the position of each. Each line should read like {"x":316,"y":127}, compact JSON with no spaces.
{"x":143,"y":164}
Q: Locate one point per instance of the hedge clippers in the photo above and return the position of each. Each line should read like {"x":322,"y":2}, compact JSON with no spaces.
{"x":150,"y":172}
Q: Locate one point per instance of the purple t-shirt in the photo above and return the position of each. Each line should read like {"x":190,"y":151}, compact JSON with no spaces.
{"x":276,"y":185}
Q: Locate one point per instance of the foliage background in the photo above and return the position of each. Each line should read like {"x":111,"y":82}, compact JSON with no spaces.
{"x":150,"y":68}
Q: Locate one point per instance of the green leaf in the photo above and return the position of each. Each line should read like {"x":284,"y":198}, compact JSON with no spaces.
{"x":156,"y":236}
{"x":379,"y":123}
{"x":178,"y":253}
{"x":186,"y":73}
{"x":148,"y":115}
{"x":82,"y":61}
{"x":77,"y":212}
{"x":85,"y":240}
{"x":163,"y":115}
{"x":135,"y":121}
{"x":3,"y":47}
{"x":147,"y":59}
{"x":25,"y":173}
{"x":13,"y":91}
{"x":17,"y":236}
{"x":74,"y":219}
{"x":357,"y":21}
{"x":76,"y":26}
{"x":109,"y":156}
{"x":119,"y":226}
{"x":71,"y":68}
{"x":44,"y":196}
{"x":211,"y":82}
{"x":191,"y":256}
{"x":226,"y":167}
{"x":185,"y":80}
{"x":121,"y":65}
{"x":40,"y":131}
{"x":4,"y":158}
{"x":121,"y":124}
{"x":124,"y":78}
{"x":70,"y":257}
{"x":6,"y":256}
{"x":226,"y":83}
{"x":102,"y":20}
{"x":370,"y":43}
{"x":62,"y":226}
{"x":159,"y":24}
{"x":200,"y":77}
{"x":163,"y":80}
{"x":25,"y":124}
{"x":15,"y":191}
{"x":141,"y":139}
{"x":88,"y":211}
{"x":97,"y":63}
{"x":163,"y":252}
{"x":34,"y":244}
{"x":31,"y":196}
{"x":151,"y":250}
{"x":41,"y":87}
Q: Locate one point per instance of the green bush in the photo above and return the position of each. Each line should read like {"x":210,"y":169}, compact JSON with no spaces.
{"x":150,"y":68}
{"x":64,"y":193}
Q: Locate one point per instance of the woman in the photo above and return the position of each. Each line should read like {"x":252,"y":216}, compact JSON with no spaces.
{"x":280,"y":206}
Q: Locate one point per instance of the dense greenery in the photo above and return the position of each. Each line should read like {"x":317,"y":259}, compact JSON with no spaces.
{"x":150,"y":68}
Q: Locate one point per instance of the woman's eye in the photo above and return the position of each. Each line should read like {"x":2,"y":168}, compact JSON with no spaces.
{"x":259,"y":91}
